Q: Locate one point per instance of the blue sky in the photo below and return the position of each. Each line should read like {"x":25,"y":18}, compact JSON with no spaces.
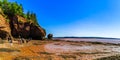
{"x":99,"y":18}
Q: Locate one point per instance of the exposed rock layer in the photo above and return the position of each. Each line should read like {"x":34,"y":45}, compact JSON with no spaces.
{"x":18,"y":26}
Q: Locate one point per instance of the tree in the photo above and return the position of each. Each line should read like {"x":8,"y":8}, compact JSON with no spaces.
{"x":20,"y":10}
{"x":28,"y":15}
{"x":32,"y":17}
{"x":11,"y":8}
{"x":5,"y":1}
{"x":14,"y":9}
{"x":50,"y":36}
{"x":0,"y":3}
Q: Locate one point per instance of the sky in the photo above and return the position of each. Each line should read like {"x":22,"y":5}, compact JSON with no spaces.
{"x":80,"y":18}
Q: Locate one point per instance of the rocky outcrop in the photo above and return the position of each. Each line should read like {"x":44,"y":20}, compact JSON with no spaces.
{"x":14,"y":22}
{"x":17,"y":26}
{"x":36,"y":32}
{"x":4,"y":28}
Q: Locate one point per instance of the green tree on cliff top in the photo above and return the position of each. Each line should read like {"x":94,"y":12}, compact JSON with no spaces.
{"x":13,"y":8}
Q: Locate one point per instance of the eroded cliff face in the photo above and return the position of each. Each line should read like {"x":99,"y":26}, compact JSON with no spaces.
{"x":18,"y":25}
{"x":4,"y":28}
{"x":4,"y":25}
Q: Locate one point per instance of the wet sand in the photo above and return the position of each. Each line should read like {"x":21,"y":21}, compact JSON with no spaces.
{"x":59,"y":50}
{"x":84,"y":49}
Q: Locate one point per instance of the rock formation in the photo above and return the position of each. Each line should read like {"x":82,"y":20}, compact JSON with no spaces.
{"x":14,"y":22}
{"x":19,"y":26}
{"x":4,"y":27}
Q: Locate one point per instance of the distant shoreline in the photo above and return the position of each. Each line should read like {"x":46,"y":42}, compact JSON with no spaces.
{"x":89,"y":39}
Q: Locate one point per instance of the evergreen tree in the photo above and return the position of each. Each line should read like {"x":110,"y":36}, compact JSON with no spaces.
{"x":13,"y":8}
{"x":28,"y":15}
{"x":5,"y":1}
{"x":33,"y":17}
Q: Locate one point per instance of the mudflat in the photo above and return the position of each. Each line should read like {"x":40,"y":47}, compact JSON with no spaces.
{"x":57,"y":50}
